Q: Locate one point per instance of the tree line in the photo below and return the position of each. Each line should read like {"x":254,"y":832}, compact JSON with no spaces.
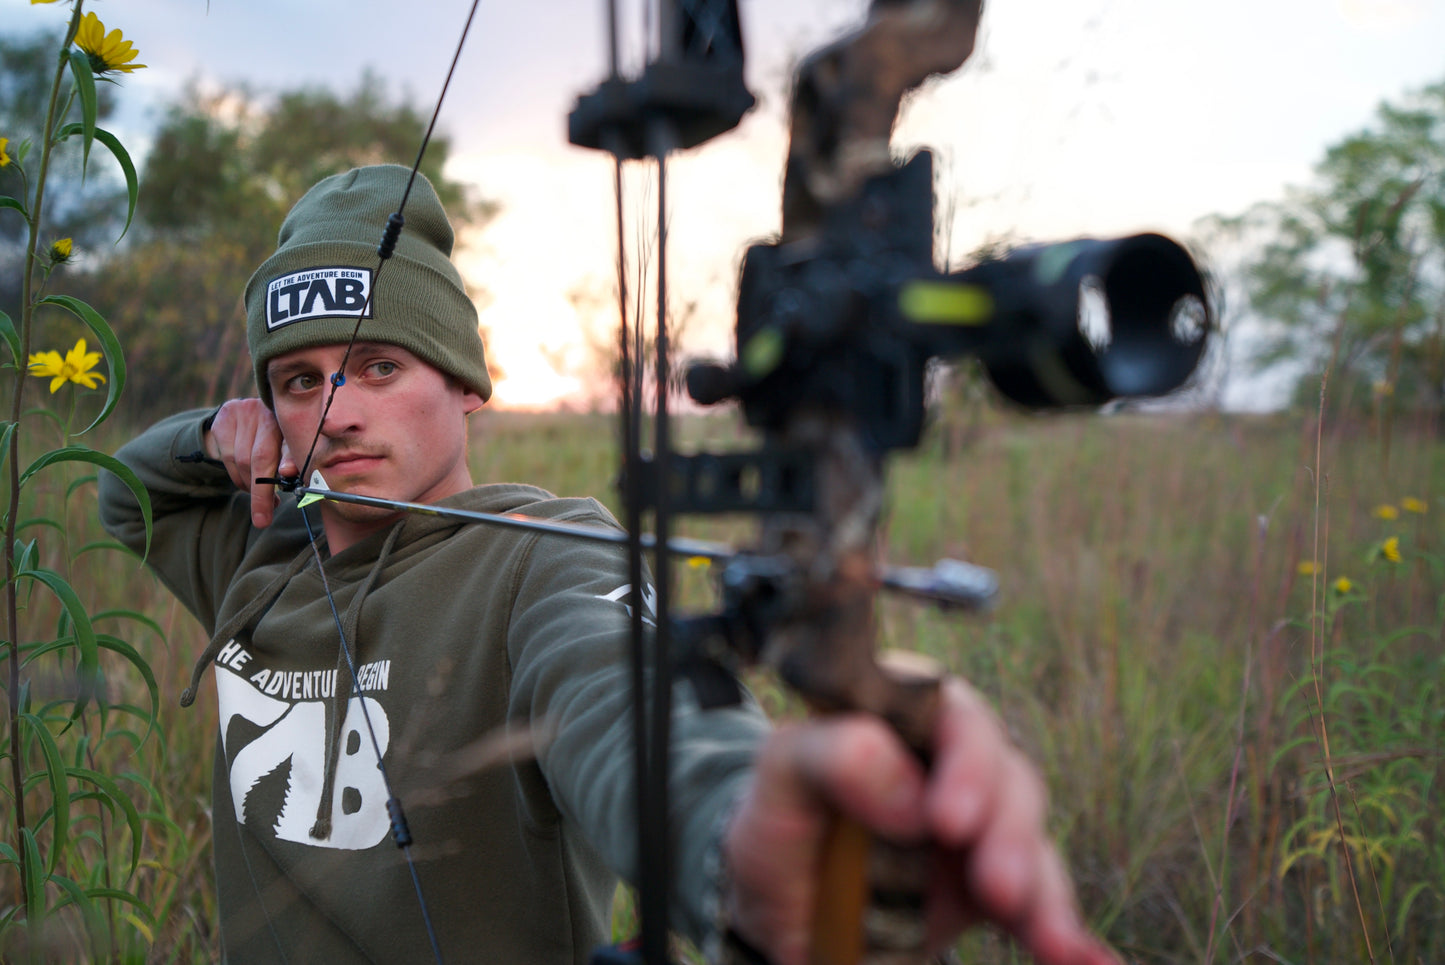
{"x":1346,"y":273}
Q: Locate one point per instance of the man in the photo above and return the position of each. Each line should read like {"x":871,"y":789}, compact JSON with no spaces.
{"x":489,"y":666}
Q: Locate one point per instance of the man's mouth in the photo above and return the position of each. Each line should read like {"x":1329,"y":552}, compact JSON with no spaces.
{"x":344,"y":461}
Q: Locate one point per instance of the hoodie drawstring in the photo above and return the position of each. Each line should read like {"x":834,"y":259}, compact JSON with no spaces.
{"x":341,"y":693}
{"x":259,"y":603}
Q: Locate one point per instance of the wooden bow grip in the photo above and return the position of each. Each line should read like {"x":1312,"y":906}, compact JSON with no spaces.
{"x":870,"y":899}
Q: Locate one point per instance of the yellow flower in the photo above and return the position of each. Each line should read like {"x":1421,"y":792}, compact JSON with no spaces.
{"x":1385,"y":511}
{"x":1308,"y":568}
{"x":1409,"y":503}
{"x":108,"y":51}
{"x":60,"y":251}
{"x":34,"y":2}
{"x":1390,"y":549}
{"x":1343,"y":585}
{"x":4,"y":156}
{"x":75,"y":367}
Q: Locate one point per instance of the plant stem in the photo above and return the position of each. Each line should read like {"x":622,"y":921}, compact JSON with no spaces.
{"x":12,"y":602}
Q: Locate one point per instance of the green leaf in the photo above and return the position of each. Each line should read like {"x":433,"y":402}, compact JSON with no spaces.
{"x":59,"y":787}
{"x":34,"y":881}
{"x":115,"y":894}
{"x":47,"y":414}
{"x":26,"y":554}
{"x":94,"y":921}
{"x":109,"y":463}
{"x":6,"y":430}
{"x":45,"y":521}
{"x":85,"y":86}
{"x":8,"y":202}
{"x":132,"y":816}
{"x":96,"y":545}
{"x":117,"y":645}
{"x":84,"y":633}
{"x":132,"y":183}
{"x":134,"y":615}
{"x":109,"y":344}
{"x":12,"y":337}
{"x":155,"y":795}
{"x":9,"y":916}
{"x":77,"y":483}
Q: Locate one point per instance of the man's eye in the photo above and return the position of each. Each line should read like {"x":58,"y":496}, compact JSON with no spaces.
{"x":381,"y":369}
{"x":303,"y":383}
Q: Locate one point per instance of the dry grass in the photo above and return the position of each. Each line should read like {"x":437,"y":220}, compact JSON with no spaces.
{"x":1152,"y":651}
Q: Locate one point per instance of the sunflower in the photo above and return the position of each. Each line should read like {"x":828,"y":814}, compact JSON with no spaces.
{"x":108,"y":52}
{"x":4,"y":154}
{"x":75,"y":367}
{"x":1390,"y":549}
{"x":60,"y":250}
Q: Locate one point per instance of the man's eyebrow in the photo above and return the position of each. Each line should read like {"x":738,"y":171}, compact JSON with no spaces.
{"x":277,"y":367}
{"x":373,"y":347}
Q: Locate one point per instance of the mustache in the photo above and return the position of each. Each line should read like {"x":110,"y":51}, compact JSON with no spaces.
{"x":331,"y":457}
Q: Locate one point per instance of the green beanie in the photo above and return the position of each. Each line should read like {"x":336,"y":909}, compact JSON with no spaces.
{"x":310,"y":291}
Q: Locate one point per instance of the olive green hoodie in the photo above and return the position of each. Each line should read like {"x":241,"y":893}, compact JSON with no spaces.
{"x":491,"y":663}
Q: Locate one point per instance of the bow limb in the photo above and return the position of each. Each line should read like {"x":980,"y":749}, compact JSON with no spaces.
{"x":847,"y":94}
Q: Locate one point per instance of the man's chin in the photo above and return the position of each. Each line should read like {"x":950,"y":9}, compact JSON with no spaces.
{"x":360,"y":513}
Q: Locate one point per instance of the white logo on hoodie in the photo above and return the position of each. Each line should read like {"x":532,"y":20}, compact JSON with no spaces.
{"x":292,"y":746}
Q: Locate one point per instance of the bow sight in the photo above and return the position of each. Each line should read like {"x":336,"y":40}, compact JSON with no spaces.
{"x":846,"y":319}
{"x":836,"y":324}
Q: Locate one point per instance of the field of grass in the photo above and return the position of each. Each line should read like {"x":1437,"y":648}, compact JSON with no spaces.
{"x":1244,"y":754}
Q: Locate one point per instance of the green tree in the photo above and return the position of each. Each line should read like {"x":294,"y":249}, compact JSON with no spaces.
{"x":224,"y":168}
{"x":1350,"y":271}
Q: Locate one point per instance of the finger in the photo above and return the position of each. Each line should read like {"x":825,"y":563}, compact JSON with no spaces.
{"x":219,"y":440}
{"x":806,"y":774}
{"x":858,"y":766}
{"x":265,"y":457}
{"x":239,"y":436}
{"x":1052,"y":930}
{"x":969,"y":757}
{"x":1008,"y":853}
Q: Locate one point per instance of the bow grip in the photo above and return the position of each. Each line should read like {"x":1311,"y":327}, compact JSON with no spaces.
{"x":870,"y":901}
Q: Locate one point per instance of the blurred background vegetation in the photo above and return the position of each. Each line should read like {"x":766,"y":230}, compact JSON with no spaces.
{"x":224,"y":168}
{"x":1230,"y":675}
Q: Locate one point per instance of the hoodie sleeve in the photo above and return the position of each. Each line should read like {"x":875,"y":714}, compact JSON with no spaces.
{"x":200,"y":526}
{"x":568,"y":643}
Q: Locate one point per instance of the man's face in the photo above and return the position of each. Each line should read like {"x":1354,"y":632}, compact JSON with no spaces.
{"x":396,"y":429}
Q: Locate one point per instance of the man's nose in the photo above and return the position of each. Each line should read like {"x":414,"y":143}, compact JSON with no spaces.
{"x":344,"y":414}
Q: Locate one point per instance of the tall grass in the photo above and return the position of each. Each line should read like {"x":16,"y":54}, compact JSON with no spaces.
{"x":1158,"y":650}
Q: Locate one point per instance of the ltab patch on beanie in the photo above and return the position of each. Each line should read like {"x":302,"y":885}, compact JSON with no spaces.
{"x":318,"y":293}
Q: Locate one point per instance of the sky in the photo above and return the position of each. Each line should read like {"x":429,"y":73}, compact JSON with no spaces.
{"x":1073,"y":118}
